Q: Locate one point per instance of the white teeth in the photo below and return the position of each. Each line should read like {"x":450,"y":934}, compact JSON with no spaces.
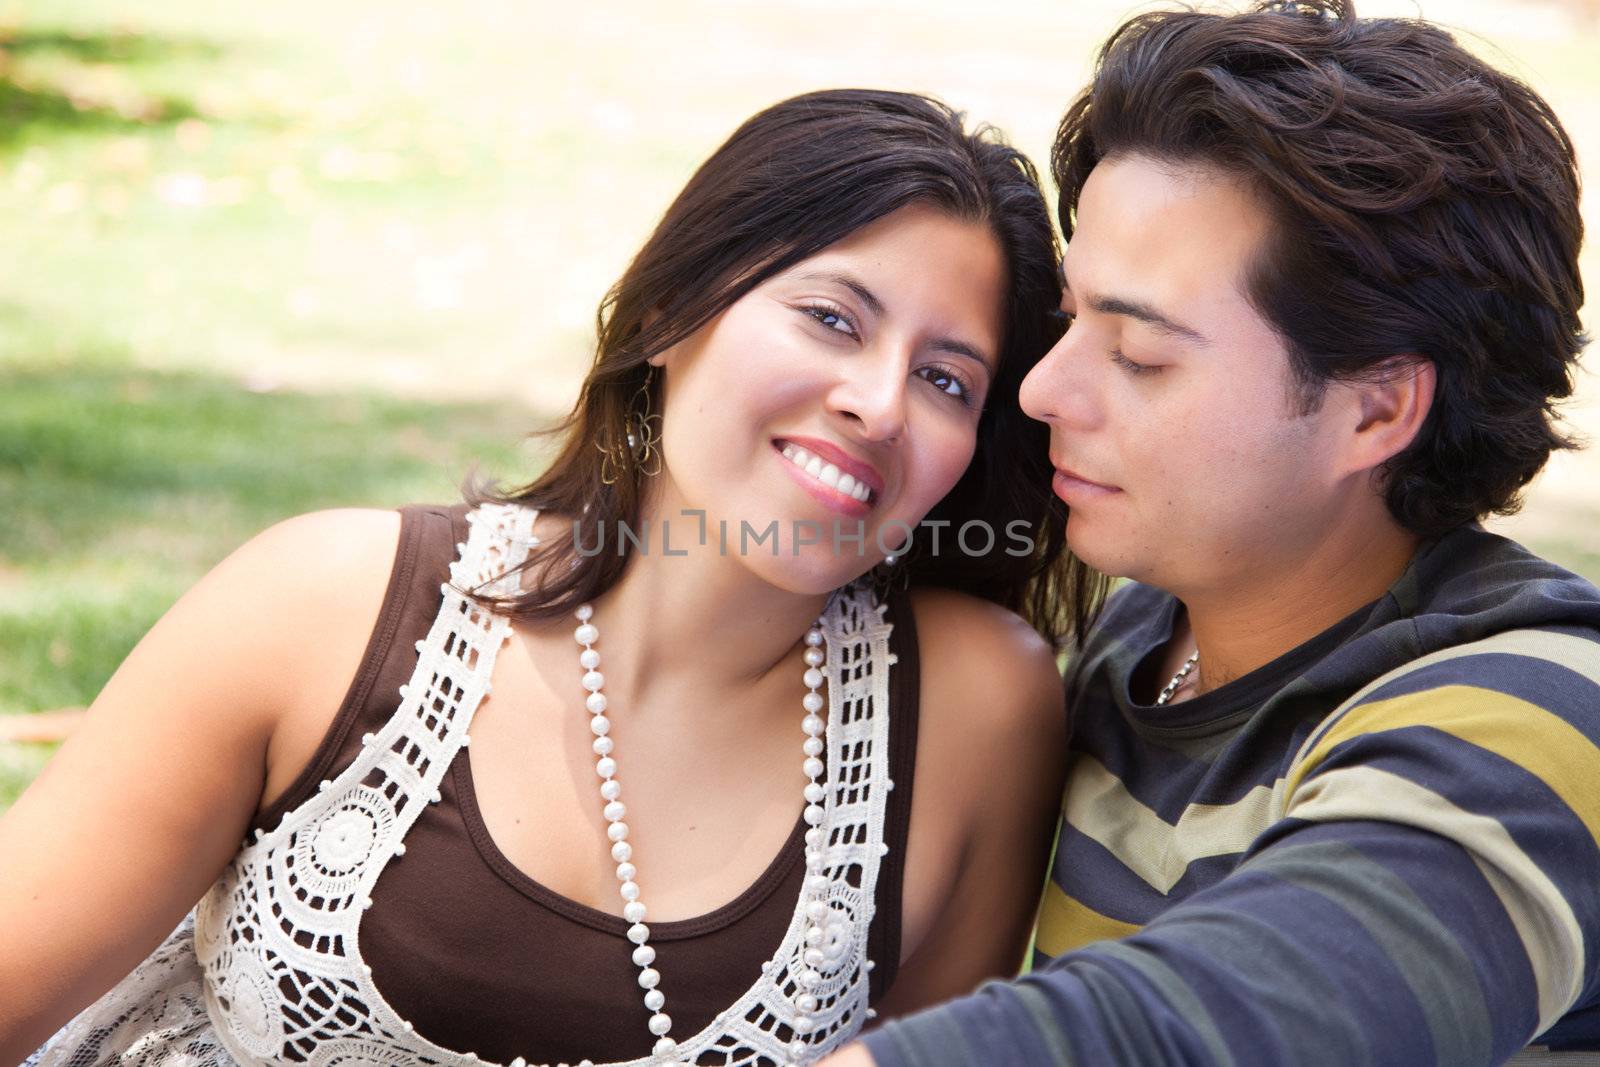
{"x":826,"y":473}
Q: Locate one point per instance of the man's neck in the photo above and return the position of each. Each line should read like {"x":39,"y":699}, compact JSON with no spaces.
{"x":1249,"y":624}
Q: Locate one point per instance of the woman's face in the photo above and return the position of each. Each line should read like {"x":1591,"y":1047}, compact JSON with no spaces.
{"x":839,"y":397}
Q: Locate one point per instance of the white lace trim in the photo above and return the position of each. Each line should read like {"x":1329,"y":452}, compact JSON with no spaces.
{"x":285,"y":915}
{"x":155,"y":1017}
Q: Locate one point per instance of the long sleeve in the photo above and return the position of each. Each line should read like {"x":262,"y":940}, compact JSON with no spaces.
{"x":1427,"y":892}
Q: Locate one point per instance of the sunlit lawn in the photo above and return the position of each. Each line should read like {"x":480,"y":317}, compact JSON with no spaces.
{"x":259,"y":260}
{"x":122,"y":486}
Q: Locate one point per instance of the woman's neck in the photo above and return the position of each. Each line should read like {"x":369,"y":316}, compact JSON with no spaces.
{"x":693,"y":621}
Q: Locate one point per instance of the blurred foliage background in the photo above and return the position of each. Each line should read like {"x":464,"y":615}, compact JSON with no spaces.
{"x":260,"y":259}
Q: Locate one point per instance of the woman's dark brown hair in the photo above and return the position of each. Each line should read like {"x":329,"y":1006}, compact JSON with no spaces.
{"x":791,"y":181}
{"x":1425,"y":205}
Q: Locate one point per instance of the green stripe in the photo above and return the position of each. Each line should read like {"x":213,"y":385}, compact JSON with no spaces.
{"x":1044,"y":1021}
{"x":1304,"y":1018}
{"x":1177,"y":994}
{"x":929,"y":1038}
{"x":1411,"y":936}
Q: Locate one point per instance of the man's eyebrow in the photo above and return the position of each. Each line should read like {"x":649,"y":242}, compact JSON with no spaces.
{"x":874,"y":305}
{"x":1133,"y":309}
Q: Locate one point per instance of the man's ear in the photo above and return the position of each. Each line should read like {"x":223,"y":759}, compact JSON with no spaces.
{"x":1391,"y":404}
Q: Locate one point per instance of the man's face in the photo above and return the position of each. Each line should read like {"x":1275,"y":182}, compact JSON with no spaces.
{"x":1176,"y":433}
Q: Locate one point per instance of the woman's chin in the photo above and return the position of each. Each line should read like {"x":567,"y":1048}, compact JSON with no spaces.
{"x":808,"y":574}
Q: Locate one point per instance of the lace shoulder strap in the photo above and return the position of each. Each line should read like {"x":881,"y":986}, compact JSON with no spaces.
{"x":277,"y":934}
{"x":282,"y":916}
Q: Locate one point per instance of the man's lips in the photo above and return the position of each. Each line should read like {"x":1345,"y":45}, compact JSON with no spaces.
{"x":1075,"y":476}
{"x":1068,"y":484}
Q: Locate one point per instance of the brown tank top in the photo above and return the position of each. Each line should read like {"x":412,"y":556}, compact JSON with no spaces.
{"x":478,"y":956}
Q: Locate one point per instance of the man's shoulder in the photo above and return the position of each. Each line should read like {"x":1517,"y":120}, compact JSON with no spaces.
{"x":1471,"y":584}
{"x":1494,"y":616}
{"x":1520,"y":676}
{"x":1473,"y":609}
{"x":1485,"y":630}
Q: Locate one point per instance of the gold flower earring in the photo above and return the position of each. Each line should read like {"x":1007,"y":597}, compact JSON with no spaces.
{"x":641,"y":438}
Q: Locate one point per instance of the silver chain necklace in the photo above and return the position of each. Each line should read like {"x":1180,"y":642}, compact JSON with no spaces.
{"x":1177,"y":679}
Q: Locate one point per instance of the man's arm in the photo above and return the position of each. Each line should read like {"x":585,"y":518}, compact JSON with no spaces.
{"x":1428,"y":896}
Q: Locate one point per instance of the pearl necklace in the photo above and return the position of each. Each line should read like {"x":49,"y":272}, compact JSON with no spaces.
{"x":1177,"y":679}
{"x":633,"y":909}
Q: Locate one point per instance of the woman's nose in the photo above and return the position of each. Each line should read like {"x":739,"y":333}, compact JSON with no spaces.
{"x":871,"y":393}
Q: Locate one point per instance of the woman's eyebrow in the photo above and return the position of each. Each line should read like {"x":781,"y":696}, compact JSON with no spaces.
{"x":874,"y":305}
{"x":850,"y":282}
{"x":961,"y":348}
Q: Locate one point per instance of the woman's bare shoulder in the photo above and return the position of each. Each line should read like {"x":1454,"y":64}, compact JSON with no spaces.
{"x":985,"y":664}
{"x":270,"y":605}
{"x":336,"y":539}
{"x":284,"y":592}
{"x":990,"y":737}
{"x":318,"y":581}
{"x":991,"y":701}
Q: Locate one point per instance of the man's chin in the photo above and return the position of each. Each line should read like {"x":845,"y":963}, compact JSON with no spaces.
{"x":1110,"y":560}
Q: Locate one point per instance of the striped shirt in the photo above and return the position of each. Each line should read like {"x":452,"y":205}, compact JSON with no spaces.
{"x":1381,"y":848}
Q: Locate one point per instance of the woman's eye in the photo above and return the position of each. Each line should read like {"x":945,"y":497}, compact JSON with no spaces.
{"x":832,"y":318}
{"x":947,"y":382}
{"x":1130,"y":366}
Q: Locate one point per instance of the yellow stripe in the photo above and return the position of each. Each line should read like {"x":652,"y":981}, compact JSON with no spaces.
{"x":1577,"y":654}
{"x":1100,"y":807}
{"x":1543,"y":919}
{"x":1536,"y":740}
{"x":1066,"y":924}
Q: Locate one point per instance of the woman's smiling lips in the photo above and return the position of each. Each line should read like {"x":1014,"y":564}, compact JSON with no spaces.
{"x":1069,"y":487}
{"x":833,"y":477}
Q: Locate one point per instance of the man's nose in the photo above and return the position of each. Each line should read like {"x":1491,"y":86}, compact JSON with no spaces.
{"x":1060,"y":390}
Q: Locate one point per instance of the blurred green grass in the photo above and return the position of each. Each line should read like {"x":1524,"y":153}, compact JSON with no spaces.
{"x":261,"y":260}
{"x":19,"y":765}
{"x":180,"y":366}
{"x":124,"y":485}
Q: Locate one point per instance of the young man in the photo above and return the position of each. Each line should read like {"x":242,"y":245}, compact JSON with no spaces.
{"x":1334,"y":788}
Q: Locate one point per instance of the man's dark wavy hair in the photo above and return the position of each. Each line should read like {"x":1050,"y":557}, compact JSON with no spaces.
{"x":1425,"y":204}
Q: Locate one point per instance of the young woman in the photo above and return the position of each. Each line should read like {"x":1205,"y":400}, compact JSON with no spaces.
{"x":839,"y":790}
